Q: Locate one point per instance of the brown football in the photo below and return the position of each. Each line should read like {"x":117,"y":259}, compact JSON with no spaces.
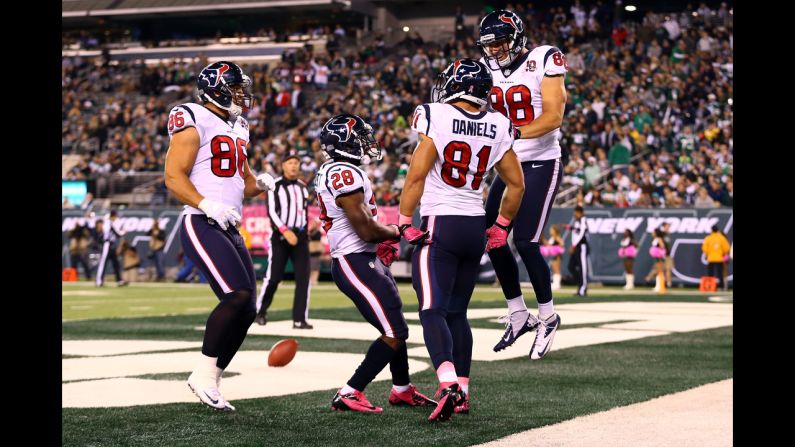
{"x":282,"y":352}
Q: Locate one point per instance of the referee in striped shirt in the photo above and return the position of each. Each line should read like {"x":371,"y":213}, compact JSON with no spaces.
{"x":287,"y":209}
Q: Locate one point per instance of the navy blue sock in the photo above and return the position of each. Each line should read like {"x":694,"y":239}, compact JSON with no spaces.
{"x":462,"y":342}
{"x":537,"y":269}
{"x":378,"y":356}
{"x":400,"y":366}
{"x":437,"y":336}
{"x":507,"y":271}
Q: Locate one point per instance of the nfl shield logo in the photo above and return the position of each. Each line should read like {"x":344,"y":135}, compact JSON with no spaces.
{"x":531,"y":65}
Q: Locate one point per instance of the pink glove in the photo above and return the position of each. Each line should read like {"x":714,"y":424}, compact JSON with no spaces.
{"x":413,"y":236}
{"x":387,"y":252}
{"x":497,"y":235}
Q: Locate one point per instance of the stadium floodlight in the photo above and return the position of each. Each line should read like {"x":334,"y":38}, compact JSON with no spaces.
{"x":630,"y":8}
{"x":406,"y":29}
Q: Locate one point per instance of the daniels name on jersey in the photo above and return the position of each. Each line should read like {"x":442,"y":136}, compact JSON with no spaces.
{"x":218,"y":171}
{"x":335,"y":179}
{"x":517,"y":95}
{"x":468,"y":145}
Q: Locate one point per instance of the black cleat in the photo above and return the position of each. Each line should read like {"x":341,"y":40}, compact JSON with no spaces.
{"x":508,"y":338}
{"x":449,"y":398}
{"x":302,"y":325}
{"x":262,"y":319}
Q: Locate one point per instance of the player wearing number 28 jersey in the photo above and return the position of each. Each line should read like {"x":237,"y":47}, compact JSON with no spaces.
{"x":362,"y":250}
{"x":529,"y":89}
{"x":459,"y":142}
{"x":206,"y":169}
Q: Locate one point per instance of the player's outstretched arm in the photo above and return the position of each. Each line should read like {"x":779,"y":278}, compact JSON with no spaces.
{"x":553,"y":104}
{"x":180,"y":158}
{"x":358,"y":214}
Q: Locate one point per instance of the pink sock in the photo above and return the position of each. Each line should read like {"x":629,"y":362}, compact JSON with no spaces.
{"x":464,"y":382}
{"x":446,"y":372}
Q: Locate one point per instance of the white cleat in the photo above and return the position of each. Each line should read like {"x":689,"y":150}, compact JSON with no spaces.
{"x":208,"y":394}
{"x":545,"y":334}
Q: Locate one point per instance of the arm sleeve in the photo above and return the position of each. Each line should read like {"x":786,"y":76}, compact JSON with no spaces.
{"x":421,"y":120}
{"x":555,"y":62}
{"x":180,"y":118}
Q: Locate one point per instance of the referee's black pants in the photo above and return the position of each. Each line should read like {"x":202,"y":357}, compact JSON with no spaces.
{"x":578,"y":266}
{"x":278,"y":255}
{"x":108,"y":254}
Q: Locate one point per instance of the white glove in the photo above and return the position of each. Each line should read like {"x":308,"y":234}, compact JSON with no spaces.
{"x":265,"y":182}
{"x":223,"y":215}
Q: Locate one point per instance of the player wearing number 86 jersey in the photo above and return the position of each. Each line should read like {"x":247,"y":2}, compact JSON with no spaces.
{"x":207,"y":170}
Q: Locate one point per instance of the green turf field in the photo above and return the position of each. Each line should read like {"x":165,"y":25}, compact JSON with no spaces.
{"x":508,"y":396}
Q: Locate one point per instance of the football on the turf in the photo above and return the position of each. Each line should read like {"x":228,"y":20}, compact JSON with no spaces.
{"x":282,"y":352}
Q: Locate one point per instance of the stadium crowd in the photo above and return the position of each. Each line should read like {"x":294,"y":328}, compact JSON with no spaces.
{"x":648,"y":121}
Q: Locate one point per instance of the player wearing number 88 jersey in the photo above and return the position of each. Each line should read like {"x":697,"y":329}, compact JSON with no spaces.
{"x":459,"y":142}
{"x":529,"y":89}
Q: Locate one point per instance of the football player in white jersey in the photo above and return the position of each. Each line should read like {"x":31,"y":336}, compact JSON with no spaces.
{"x":459,"y":142}
{"x":361,"y":252}
{"x":207,"y":170}
{"x":528,"y":89}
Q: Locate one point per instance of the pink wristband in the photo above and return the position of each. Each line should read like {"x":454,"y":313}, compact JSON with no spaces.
{"x":503,"y":221}
{"x":404,"y":220}
{"x":283,"y":228}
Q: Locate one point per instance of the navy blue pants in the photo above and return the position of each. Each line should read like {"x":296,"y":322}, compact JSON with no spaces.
{"x":541,"y":182}
{"x":364,"y":279}
{"x":444,"y":274}
{"x":221,"y":255}
{"x":541,"y":185}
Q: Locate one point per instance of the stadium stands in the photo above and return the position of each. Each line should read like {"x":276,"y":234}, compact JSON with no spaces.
{"x":648,"y":122}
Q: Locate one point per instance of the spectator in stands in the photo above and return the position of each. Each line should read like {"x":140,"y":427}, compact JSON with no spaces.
{"x":704,"y":200}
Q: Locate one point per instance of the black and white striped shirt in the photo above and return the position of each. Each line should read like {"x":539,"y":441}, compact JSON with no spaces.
{"x":287,"y":204}
{"x":111,"y":231}
{"x":579,"y":232}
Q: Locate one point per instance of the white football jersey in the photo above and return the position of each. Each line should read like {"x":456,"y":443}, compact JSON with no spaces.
{"x":468,"y":145}
{"x":517,"y":95}
{"x":336,"y":178}
{"x":218,"y":171}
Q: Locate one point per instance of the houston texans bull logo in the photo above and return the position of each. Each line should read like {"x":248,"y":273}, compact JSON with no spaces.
{"x":471,"y":70}
{"x":510,"y":21}
{"x":342,"y":128}
{"x":213,"y":75}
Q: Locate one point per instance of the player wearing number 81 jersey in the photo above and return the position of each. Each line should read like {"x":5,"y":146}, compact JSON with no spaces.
{"x":459,"y":142}
{"x":529,"y":89}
